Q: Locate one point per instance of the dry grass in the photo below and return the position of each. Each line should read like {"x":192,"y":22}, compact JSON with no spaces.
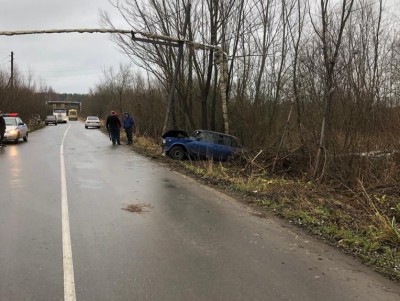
{"x":147,"y":147}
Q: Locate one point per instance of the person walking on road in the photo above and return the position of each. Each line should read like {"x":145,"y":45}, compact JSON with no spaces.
{"x":128,"y":127}
{"x":113,"y":125}
{"x":2,"y":129}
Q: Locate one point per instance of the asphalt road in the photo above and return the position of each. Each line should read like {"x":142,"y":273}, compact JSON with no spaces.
{"x":65,"y":236}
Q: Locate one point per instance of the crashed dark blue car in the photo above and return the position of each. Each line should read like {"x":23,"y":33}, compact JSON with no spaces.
{"x":201,"y":144}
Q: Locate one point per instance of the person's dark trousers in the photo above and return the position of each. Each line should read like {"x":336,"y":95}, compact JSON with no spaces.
{"x":115,"y":136}
{"x":129,"y":135}
{"x":1,"y":139}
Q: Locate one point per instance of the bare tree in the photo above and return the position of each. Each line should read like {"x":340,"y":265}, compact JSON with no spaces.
{"x":117,"y":84}
{"x":296,"y":33}
{"x":331,"y":43}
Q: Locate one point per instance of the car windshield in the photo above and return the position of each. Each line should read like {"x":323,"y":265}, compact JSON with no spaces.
{"x":10,"y":121}
{"x":51,"y":117}
{"x":93,"y":118}
{"x":196,"y":133}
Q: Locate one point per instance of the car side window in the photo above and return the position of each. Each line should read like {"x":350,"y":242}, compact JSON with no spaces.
{"x":206,"y":137}
{"x":222,"y":140}
{"x":234,"y":142}
{"x":226,"y":140}
{"x":230,"y":141}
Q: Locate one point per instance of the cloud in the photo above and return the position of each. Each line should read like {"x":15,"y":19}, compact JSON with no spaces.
{"x":69,"y":63}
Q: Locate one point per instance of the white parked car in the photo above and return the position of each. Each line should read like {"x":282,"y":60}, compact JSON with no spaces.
{"x":15,"y":128}
{"x":92,"y":122}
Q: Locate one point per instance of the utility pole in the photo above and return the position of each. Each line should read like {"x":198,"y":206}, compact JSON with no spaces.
{"x":12,"y":70}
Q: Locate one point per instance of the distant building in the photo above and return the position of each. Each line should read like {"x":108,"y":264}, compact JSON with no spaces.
{"x":59,"y":104}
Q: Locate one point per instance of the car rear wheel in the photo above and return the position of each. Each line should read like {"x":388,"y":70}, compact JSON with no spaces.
{"x":26,"y":137}
{"x":177,"y":153}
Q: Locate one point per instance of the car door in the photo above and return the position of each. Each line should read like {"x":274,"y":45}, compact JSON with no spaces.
{"x":22,"y":128}
{"x":203,"y":145}
{"x":224,"y":147}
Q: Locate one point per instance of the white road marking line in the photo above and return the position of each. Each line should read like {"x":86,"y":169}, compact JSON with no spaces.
{"x":68,"y":266}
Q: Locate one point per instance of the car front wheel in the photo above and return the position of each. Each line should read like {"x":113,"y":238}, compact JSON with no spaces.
{"x":177,"y":153}
{"x":26,"y":137}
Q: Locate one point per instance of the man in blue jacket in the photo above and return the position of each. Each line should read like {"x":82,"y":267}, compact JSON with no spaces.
{"x":128,"y":127}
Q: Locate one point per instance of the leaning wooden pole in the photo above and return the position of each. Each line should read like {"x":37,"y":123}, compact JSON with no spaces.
{"x":151,"y":36}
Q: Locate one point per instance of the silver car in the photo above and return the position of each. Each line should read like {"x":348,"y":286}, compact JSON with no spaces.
{"x":92,"y":122}
{"x":15,"y":128}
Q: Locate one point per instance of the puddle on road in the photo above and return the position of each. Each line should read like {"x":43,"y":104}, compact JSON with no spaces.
{"x":138,"y":208}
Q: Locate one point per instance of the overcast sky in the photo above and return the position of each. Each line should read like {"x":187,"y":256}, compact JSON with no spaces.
{"x":69,"y":63}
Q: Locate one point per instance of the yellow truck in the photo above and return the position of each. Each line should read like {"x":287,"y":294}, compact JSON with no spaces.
{"x":73,"y":114}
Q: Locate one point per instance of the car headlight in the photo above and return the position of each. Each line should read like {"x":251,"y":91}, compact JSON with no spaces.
{"x":12,"y":132}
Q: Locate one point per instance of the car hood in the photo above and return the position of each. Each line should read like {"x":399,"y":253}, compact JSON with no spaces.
{"x":176,"y":134}
{"x":11,"y":127}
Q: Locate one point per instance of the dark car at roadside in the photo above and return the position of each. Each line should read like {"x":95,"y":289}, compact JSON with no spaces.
{"x":50,"y":119}
{"x":201,"y":144}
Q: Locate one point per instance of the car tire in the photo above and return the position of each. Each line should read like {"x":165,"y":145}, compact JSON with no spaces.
{"x":177,"y":152}
{"x":17,"y":139}
{"x":26,"y":137}
{"x":86,"y":127}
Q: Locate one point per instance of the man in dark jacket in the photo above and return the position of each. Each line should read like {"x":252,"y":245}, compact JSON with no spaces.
{"x":113,"y":125}
{"x":128,"y":127}
{"x":2,"y":128}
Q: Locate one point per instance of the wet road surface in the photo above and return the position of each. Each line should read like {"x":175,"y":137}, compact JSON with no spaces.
{"x":193,"y":243}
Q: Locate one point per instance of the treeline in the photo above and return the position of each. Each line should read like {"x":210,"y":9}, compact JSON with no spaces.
{"x":314,"y":84}
{"x":26,"y":96}
{"x":22,"y":95}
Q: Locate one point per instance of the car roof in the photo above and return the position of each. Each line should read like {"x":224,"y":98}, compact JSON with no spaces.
{"x":180,"y":133}
{"x":213,"y":132}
